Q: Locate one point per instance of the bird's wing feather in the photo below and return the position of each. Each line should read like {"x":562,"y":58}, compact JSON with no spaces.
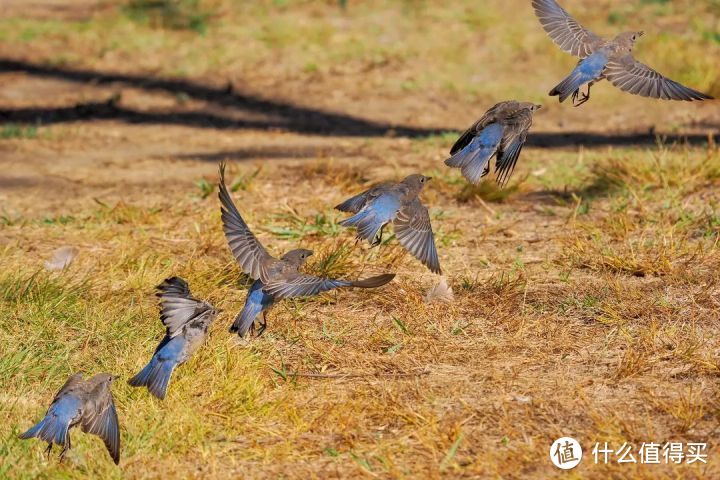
{"x":103,"y":422}
{"x":632,"y":76}
{"x":356,"y":203}
{"x":414,"y":232}
{"x":514,"y":137}
{"x":246,"y":248}
{"x":71,"y":382}
{"x":177,"y":305}
{"x":302,"y":285}
{"x":488,"y":117}
{"x":564,"y":30}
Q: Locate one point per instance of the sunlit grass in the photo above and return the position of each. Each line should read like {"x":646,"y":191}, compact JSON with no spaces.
{"x":320,"y":38}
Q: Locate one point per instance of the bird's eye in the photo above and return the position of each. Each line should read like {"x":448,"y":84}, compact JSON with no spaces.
{"x":422,"y":180}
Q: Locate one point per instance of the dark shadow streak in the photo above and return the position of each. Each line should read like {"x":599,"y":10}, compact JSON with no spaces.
{"x":111,"y":111}
{"x":269,"y":152}
{"x":288,"y":117}
{"x":590,"y":139}
{"x":297,"y":119}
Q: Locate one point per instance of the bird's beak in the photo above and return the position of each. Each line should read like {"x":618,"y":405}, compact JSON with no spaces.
{"x":218,"y":311}
{"x":538,"y":107}
{"x":641,"y":33}
{"x":428,"y":178}
{"x":114,"y":377}
{"x":311,"y":254}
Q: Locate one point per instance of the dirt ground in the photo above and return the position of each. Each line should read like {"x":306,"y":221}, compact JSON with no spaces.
{"x":586,"y":294}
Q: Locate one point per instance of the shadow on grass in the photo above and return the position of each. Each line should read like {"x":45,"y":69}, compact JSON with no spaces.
{"x":276,"y":115}
{"x":270,"y":152}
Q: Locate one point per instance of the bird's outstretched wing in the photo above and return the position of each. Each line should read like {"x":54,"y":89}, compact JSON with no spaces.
{"x":631,"y":76}
{"x":414,"y":232}
{"x":514,"y":136}
{"x":302,"y":285}
{"x":103,"y":422}
{"x":564,"y":30}
{"x":177,"y":305}
{"x":246,"y":248}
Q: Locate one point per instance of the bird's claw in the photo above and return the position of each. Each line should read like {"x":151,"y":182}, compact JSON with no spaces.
{"x":585,"y":97}
{"x":261,"y":330}
{"x":263,"y":326}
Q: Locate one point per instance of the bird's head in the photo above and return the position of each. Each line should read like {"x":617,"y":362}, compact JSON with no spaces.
{"x":102,"y":380}
{"x":533,"y":107}
{"x":416,"y":181}
{"x":298,"y":256}
{"x":627,"y":39}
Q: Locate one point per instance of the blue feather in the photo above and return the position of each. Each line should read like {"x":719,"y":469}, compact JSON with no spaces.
{"x":373,"y":216}
{"x":53,"y":428}
{"x":257,"y":301}
{"x":474,"y":157}
{"x":587,"y":70}
{"x":156,"y":374}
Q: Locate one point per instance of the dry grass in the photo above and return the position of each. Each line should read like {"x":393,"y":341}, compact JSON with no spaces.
{"x":574,"y":343}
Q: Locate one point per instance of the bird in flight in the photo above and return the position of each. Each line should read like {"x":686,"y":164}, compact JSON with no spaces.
{"x":397,"y":203}
{"x":85,"y":403}
{"x":275,"y":278}
{"x":604,"y":59}
{"x":186,"y":320}
{"x":501,"y":132}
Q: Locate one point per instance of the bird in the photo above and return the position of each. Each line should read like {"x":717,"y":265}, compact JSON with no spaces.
{"x":604,"y":59}
{"x":187,"y":320}
{"x":85,"y":403}
{"x":398,"y":203}
{"x":502,"y":132}
{"x":274,"y":279}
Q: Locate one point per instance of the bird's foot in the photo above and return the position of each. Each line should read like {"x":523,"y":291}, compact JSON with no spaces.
{"x":48,"y":451}
{"x":261,"y":330}
{"x":62,"y":454}
{"x":584,"y":98}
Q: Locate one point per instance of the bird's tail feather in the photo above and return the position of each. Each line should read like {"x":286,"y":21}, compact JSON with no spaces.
{"x":245,"y":318}
{"x":475,"y":170}
{"x":373,"y":282}
{"x":51,"y":429}
{"x":367,"y":224}
{"x":474,"y":157}
{"x":568,"y":86}
{"x":155,"y":376}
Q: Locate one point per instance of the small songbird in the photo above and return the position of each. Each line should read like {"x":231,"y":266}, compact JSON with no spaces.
{"x":604,"y":59}
{"x":502,"y":132}
{"x":275,"y":279}
{"x":87,"y":403}
{"x":397,"y":203}
{"x":187,"y":320}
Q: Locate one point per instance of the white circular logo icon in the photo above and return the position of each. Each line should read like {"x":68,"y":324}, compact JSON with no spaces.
{"x":565,"y":453}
